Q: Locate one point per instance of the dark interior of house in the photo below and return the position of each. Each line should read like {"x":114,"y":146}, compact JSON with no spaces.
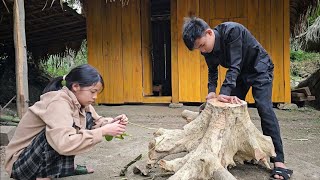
{"x":161,"y":47}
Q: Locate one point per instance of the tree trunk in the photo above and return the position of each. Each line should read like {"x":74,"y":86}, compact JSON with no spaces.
{"x":221,"y":135}
{"x":21,"y":57}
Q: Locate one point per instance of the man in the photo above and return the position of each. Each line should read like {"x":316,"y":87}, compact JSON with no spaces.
{"x":232,"y":46}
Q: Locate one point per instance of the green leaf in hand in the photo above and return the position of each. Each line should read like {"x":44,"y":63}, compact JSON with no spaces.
{"x":108,"y":137}
{"x":121,"y":136}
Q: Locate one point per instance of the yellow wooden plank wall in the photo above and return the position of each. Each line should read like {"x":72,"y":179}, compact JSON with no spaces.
{"x":268,"y":21}
{"x":188,"y":61}
{"x":95,"y":38}
{"x":277,"y":49}
{"x":174,"y":51}
{"x":131,"y":52}
{"x":112,"y":53}
{"x":114,"y":47}
{"x":146,"y":46}
{"x":118,"y":39}
{"x":286,"y":50}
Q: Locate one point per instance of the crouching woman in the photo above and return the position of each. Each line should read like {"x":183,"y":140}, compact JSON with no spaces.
{"x":59,"y":126}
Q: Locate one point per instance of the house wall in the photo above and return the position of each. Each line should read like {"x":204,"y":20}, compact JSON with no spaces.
{"x":268,"y":21}
{"x":114,"y":47}
{"x":119,"y":46}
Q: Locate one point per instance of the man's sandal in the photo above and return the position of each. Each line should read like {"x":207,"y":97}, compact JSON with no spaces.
{"x":80,"y":170}
{"x":285,"y":173}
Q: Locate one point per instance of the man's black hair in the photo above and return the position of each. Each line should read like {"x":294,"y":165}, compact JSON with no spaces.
{"x":193,"y":28}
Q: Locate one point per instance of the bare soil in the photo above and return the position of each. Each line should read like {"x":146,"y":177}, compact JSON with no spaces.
{"x":300,"y":131}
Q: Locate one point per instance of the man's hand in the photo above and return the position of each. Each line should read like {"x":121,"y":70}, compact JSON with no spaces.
{"x":229,"y":99}
{"x":211,"y":95}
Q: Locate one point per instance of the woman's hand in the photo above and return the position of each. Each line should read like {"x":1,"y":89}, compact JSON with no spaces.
{"x":113,"y":129}
{"x":102,"y":121}
{"x":122,"y":118}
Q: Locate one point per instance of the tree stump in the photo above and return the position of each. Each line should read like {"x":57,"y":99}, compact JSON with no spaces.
{"x":221,"y":135}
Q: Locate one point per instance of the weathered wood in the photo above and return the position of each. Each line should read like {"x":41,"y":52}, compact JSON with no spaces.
{"x":21,"y":57}
{"x":304,"y":90}
{"x":146,"y":46}
{"x":221,"y":135}
{"x":304,"y":98}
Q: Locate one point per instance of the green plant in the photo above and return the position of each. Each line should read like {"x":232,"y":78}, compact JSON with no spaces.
{"x":58,"y":66}
{"x":300,"y":55}
{"x":109,"y":137}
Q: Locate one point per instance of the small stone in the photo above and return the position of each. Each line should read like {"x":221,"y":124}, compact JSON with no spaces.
{"x":6,"y":134}
{"x":175,"y":105}
{"x":287,"y":106}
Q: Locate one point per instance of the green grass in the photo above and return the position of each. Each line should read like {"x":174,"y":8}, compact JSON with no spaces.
{"x":300,"y":55}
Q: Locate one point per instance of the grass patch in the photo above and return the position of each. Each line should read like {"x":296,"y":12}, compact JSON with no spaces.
{"x":300,"y":55}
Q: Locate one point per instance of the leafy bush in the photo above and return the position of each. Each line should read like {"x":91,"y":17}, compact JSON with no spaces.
{"x":59,"y":66}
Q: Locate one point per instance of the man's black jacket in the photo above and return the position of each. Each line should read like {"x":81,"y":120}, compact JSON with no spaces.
{"x":237,"y":49}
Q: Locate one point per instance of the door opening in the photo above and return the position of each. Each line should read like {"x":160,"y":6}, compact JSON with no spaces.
{"x":161,"y":47}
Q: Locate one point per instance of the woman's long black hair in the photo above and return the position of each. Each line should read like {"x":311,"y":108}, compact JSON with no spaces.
{"x":84,"y":75}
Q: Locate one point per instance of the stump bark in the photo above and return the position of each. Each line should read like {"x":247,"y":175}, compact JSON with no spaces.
{"x":221,"y":135}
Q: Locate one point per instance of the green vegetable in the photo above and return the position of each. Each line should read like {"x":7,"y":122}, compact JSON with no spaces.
{"x":109,"y":138}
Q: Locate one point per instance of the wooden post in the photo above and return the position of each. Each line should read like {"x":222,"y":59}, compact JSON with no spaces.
{"x":21,"y":57}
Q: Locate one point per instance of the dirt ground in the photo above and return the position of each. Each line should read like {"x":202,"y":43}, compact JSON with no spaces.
{"x":300,"y":132}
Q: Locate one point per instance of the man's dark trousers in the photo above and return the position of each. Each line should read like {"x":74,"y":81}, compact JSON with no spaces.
{"x":261,"y":84}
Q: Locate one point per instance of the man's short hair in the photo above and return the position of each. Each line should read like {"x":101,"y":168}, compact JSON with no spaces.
{"x":193,"y":28}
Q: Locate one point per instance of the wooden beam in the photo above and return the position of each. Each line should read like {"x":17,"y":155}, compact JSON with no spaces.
{"x":51,"y":28}
{"x":157,"y":99}
{"x":57,"y":35}
{"x":21,"y":57}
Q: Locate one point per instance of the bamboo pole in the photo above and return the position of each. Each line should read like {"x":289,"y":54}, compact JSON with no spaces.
{"x":21,"y":57}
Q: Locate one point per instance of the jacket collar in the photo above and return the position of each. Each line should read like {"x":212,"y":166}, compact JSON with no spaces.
{"x":73,"y":97}
{"x":217,"y":44}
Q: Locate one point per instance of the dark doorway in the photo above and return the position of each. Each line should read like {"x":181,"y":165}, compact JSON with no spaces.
{"x":161,"y":47}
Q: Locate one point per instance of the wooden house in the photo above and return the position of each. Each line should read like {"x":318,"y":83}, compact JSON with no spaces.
{"x":138,"y":47}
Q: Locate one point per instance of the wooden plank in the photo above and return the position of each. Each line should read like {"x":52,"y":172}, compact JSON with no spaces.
{"x":220,"y":9}
{"x":308,"y":98}
{"x":112,"y":62}
{"x":94,"y":39}
{"x":265,"y":24}
{"x":155,"y":99}
{"x":131,"y":52}
{"x":304,"y":90}
{"x":146,"y":45}
{"x":286,"y":50}
{"x":206,"y":13}
{"x":21,"y":57}
{"x":243,"y":21}
{"x":207,"y":9}
{"x":242,"y":8}
{"x":277,"y":49}
{"x":296,"y":94}
{"x":188,"y":61}
{"x":174,"y":52}
{"x":253,"y":17}
{"x":231,"y":8}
